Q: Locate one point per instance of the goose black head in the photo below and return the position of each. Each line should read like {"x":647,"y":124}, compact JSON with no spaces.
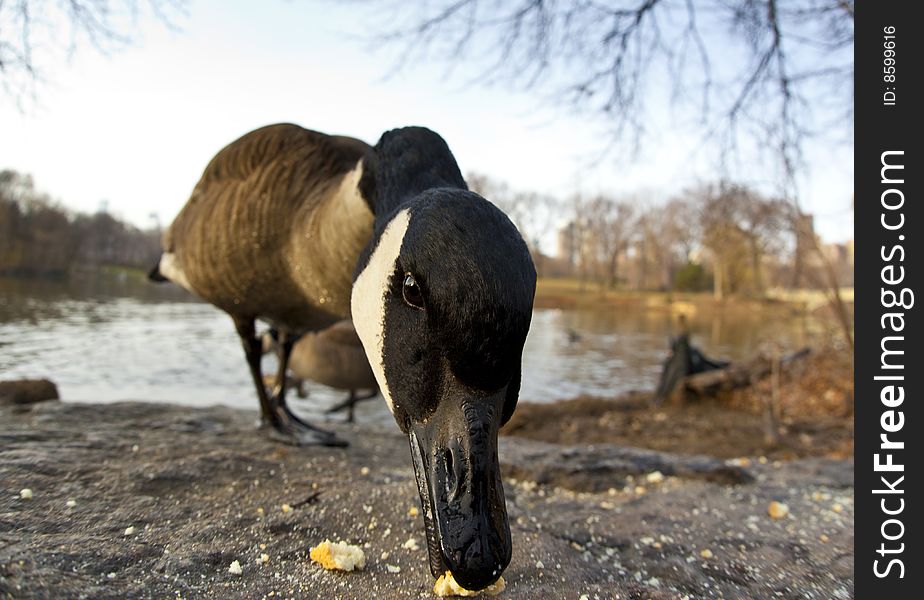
{"x":442,"y":303}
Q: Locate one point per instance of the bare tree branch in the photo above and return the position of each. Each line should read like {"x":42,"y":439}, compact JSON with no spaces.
{"x":32,"y":31}
{"x":756,"y":72}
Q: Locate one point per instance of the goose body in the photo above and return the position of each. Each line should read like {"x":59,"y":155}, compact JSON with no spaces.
{"x":274,"y":227}
{"x":302,"y":229}
{"x":333,"y":357}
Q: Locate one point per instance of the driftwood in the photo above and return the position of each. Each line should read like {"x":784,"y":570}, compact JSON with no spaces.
{"x":690,"y":373}
{"x":737,"y":375}
{"x":685,"y":360}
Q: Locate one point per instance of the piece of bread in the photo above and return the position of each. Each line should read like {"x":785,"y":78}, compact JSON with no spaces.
{"x":338,"y":555}
{"x":446,"y":586}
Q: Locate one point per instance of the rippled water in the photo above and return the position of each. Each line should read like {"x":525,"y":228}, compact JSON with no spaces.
{"x":114,"y":337}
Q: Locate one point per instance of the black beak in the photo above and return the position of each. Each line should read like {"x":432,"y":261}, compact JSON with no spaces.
{"x":461,"y":493}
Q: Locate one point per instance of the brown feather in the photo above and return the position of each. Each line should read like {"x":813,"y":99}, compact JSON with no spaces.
{"x":274,"y":227}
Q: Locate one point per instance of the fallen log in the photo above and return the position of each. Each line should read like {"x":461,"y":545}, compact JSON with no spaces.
{"x":685,"y":359}
{"x":737,"y":375}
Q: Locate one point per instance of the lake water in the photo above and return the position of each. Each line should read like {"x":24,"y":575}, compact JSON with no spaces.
{"x":110,"y":337}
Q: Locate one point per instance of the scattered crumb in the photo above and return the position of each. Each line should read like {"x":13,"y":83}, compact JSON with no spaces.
{"x":539,"y":564}
{"x":135,"y":448}
{"x":71,"y":503}
{"x":286,"y":508}
{"x":706,"y":553}
{"x":264,"y":558}
{"x":393,"y":568}
{"x":364,"y":471}
{"x":777,"y":510}
{"x":823,"y":538}
{"x":110,"y":575}
{"x":640,"y":489}
{"x":412,"y":511}
{"x":235,"y":568}
{"x":25,"y":494}
{"x":410,"y":544}
{"x":129,"y":530}
{"x":837,"y":507}
{"x":446,"y":586}
{"x":339,"y":555}
{"x":655,"y":477}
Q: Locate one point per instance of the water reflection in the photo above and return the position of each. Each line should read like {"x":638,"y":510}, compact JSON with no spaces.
{"x":117,"y":337}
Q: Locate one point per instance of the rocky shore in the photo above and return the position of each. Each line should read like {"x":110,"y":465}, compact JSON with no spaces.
{"x":143,"y":500}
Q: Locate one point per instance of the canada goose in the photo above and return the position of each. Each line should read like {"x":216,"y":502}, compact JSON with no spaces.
{"x":333,"y":357}
{"x":441,"y":296}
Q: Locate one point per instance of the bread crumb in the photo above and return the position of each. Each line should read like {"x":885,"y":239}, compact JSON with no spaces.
{"x":706,"y":553}
{"x":286,"y":508}
{"x":235,"y":568}
{"x":129,"y":530}
{"x":264,"y":558}
{"x":412,"y":511}
{"x":339,"y":555}
{"x":25,"y":494}
{"x":777,"y":510}
{"x":364,"y":471}
{"x":655,"y":477}
{"x":410,"y":544}
{"x":71,"y":503}
{"x":393,"y":568}
{"x":837,"y":507}
{"x":446,"y":586}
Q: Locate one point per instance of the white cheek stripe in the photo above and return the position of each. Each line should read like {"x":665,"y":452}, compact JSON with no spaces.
{"x":169,"y":267}
{"x":367,"y":302}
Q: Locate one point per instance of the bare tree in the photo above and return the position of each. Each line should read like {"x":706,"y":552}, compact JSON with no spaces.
{"x":740,"y":228}
{"x":754,"y":71}
{"x":31,"y":31}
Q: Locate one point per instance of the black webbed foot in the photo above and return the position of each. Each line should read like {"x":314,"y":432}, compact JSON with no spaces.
{"x":300,"y":437}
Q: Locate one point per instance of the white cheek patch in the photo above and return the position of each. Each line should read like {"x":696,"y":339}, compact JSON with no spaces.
{"x":367,"y":302}
{"x":170,"y":268}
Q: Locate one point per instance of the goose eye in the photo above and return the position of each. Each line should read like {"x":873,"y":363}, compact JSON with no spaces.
{"x":411,"y":291}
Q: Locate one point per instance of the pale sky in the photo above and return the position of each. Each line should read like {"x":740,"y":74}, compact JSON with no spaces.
{"x":136,"y":128}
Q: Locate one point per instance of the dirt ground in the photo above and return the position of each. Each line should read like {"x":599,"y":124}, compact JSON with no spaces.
{"x":140,"y":500}
{"x":815,"y":418}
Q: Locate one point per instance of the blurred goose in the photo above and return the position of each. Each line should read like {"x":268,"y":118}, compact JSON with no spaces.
{"x":333,"y":357}
{"x":303,"y":229}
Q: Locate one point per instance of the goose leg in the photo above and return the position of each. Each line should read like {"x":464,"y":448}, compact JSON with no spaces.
{"x":291,"y":429}
{"x":253,"y":350}
{"x":350,"y":403}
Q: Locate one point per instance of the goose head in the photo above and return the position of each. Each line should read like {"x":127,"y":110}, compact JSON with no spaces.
{"x":442,"y":301}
